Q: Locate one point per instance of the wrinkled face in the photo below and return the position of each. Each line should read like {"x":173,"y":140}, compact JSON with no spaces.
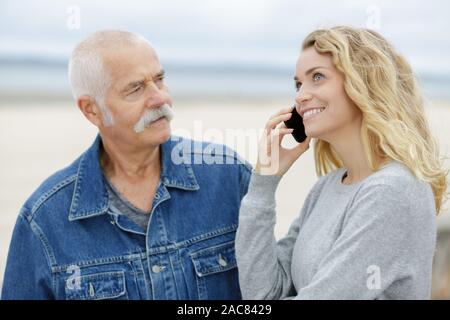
{"x":320,"y":88}
{"x":137,"y":85}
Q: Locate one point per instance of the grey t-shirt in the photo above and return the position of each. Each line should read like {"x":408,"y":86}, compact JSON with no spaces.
{"x":373,"y":239}
{"x":123,"y":206}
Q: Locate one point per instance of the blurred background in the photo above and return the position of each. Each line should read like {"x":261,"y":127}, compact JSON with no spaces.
{"x":229,"y":66}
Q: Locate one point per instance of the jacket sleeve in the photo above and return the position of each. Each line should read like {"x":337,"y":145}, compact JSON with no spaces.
{"x":27,"y":274}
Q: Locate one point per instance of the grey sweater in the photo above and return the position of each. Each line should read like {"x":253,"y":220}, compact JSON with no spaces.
{"x":374,"y":239}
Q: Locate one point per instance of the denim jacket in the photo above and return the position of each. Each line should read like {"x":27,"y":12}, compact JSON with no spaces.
{"x":69,"y":244}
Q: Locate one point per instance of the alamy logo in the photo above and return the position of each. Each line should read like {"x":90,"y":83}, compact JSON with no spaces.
{"x":374,"y":280}
{"x":74,"y":281}
{"x":73,"y":18}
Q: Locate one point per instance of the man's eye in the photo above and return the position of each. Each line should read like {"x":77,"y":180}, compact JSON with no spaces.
{"x":136,"y":89}
{"x":160,"y":80}
{"x":318,"y":76}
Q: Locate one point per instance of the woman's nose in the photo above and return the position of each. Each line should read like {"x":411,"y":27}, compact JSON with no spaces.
{"x":302,"y":97}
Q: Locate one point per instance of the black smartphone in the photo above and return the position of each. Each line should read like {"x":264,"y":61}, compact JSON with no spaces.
{"x":296,"y":122}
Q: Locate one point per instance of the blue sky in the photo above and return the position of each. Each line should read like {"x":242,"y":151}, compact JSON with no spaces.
{"x":243,"y":33}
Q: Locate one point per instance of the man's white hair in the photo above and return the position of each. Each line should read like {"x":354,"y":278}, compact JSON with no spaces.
{"x":88,"y":74}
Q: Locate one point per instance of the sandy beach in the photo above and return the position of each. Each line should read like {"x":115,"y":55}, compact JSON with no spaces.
{"x":37,"y":139}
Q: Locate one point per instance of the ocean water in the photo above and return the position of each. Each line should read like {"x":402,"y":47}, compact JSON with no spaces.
{"x":35,"y":78}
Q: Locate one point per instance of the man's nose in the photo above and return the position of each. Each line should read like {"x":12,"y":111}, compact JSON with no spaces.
{"x":157,"y":97}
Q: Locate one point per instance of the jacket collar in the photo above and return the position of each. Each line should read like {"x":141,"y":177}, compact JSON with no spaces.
{"x":90,"y":197}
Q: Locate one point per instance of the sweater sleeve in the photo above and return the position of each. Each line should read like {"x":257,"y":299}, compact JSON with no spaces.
{"x":264,"y":264}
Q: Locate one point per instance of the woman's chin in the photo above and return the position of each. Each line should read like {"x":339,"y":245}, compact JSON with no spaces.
{"x":314,"y":134}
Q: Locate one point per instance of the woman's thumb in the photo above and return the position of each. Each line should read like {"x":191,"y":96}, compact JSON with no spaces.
{"x":302,"y":147}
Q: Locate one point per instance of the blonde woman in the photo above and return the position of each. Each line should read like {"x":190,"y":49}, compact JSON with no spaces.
{"x":367,"y":228}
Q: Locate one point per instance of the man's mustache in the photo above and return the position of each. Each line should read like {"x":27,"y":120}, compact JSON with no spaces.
{"x":151,"y":115}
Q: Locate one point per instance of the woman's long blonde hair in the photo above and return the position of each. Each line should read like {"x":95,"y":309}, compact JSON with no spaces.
{"x":382,"y":85}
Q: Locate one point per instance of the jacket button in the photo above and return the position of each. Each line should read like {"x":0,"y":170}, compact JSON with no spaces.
{"x":91,"y":290}
{"x":156,"y":269}
{"x":222,"y":262}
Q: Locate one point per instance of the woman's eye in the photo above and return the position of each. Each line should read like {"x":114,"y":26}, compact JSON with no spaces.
{"x":297,"y":86}
{"x":318,"y":76}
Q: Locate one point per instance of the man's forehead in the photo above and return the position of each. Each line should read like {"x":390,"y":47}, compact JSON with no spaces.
{"x":126,"y":64}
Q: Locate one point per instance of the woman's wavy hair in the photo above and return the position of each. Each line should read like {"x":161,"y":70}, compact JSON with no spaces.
{"x":382,"y":85}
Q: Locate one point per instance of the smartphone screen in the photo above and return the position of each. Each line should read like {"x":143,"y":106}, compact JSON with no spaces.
{"x":296,"y":123}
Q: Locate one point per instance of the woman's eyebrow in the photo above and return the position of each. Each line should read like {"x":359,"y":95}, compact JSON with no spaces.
{"x":309,"y":71}
{"x":312,"y":69}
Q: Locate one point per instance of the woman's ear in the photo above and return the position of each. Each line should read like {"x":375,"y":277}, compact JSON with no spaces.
{"x":89,"y":108}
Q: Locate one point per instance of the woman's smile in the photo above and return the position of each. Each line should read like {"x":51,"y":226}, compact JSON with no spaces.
{"x":312,"y":113}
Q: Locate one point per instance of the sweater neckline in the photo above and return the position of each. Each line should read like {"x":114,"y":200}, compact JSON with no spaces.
{"x":342,"y":172}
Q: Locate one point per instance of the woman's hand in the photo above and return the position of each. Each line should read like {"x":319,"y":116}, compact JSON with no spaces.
{"x":273,"y":159}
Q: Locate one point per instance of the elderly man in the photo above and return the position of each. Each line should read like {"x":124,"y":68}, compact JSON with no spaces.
{"x":136,"y":216}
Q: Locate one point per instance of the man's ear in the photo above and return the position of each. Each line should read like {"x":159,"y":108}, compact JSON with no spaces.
{"x":90,"y":110}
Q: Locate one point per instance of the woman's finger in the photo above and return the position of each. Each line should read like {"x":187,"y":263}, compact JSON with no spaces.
{"x":281,"y":111}
{"x":276,"y":137}
{"x":272,"y":123}
{"x":299,"y":149}
{"x":284,"y":131}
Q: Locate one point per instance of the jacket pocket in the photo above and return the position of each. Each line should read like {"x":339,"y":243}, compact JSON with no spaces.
{"x":216,"y":271}
{"x":98,"y":286}
{"x":215,"y":259}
